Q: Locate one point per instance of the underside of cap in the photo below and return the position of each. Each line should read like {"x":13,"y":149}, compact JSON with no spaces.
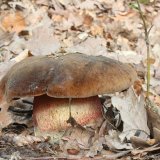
{"x":70,"y":76}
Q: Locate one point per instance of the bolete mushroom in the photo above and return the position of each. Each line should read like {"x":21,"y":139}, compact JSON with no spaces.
{"x":53,"y":81}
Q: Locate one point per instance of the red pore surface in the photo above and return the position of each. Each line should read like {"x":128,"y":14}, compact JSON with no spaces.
{"x":51,"y":114}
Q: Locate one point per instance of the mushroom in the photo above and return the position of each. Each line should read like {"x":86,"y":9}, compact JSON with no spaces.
{"x":54,"y":81}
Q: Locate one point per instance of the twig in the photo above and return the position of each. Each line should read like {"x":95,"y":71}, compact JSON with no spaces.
{"x":117,"y":155}
{"x":146,"y":32}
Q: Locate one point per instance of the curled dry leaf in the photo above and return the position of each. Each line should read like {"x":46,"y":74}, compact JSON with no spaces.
{"x":138,"y":142}
{"x":157,"y":89}
{"x":96,"y":147}
{"x":91,"y":46}
{"x":81,"y":136}
{"x":88,"y":4}
{"x":133,"y":113}
{"x":88,"y":20}
{"x":22,"y":140}
{"x":156,"y":21}
{"x":150,"y":60}
{"x":5,"y":38}
{"x":43,"y":42}
{"x":157,"y":73}
{"x":65,"y":2}
{"x":24,"y":54}
{"x":115,"y":155}
{"x":5,"y":116}
{"x":113,"y":141}
{"x":15,"y":156}
{"x":138,"y":87}
{"x":153,"y":117}
{"x":17,"y":45}
{"x":73,"y":151}
{"x":13,"y":22}
{"x":71,"y":147}
{"x":126,"y":57}
{"x":4,"y":67}
{"x":97,"y":30}
{"x":148,"y":149}
{"x":156,"y":100}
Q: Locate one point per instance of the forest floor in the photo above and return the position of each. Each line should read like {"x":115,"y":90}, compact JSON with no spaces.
{"x":106,"y":27}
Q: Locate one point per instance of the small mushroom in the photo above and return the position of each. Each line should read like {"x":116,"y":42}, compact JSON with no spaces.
{"x":53,"y":81}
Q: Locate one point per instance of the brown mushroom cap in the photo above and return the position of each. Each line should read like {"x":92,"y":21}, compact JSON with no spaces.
{"x":70,"y":76}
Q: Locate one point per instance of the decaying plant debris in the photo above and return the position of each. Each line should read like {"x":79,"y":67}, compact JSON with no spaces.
{"x":53,"y":28}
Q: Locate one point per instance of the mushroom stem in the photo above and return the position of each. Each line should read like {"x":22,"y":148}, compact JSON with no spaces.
{"x":51,"y":114}
{"x":71,"y":119}
{"x":70,"y":114}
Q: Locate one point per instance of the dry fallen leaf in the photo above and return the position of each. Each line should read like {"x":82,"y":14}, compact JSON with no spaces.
{"x":72,"y":22}
{"x":133,"y":113}
{"x":43,"y":42}
{"x":138,"y":142}
{"x":91,"y":46}
{"x":24,"y":54}
{"x":150,"y":60}
{"x":126,"y":57}
{"x":149,"y":149}
{"x":157,"y":89}
{"x":73,"y":151}
{"x":88,"y":20}
{"x":5,"y":38}
{"x":115,"y":155}
{"x":83,"y":137}
{"x":96,"y":147}
{"x":138,"y":87}
{"x":156,"y":21}
{"x":153,"y":117}
{"x":97,"y":30}
{"x":5,"y":116}
{"x":4,"y":67}
{"x":156,"y":134}
{"x":114,"y":143}
{"x":17,"y":45}
{"x":88,"y":4}
{"x":22,"y":140}
{"x":13,"y":22}
{"x":157,"y":73}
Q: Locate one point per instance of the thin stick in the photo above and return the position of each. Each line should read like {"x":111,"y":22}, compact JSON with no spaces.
{"x":70,"y":115}
{"x":146,"y":32}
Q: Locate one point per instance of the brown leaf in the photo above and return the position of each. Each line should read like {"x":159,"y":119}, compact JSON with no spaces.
{"x":150,"y":61}
{"x":133,"y":113}
{"x":57,"y":18}
{"x":82,"y":137}
{"x":138,"y":142}
{"x":72,"y":151}
{"x":22,"y":140}
{"x":138,"y":87}
{"x":43,"y":35}
{"x":13,"y":22}
{"x":88,"y":20}
{"x":97,"y":30}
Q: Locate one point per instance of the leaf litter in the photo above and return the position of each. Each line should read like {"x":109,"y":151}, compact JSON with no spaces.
{"x":108,"y":28}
